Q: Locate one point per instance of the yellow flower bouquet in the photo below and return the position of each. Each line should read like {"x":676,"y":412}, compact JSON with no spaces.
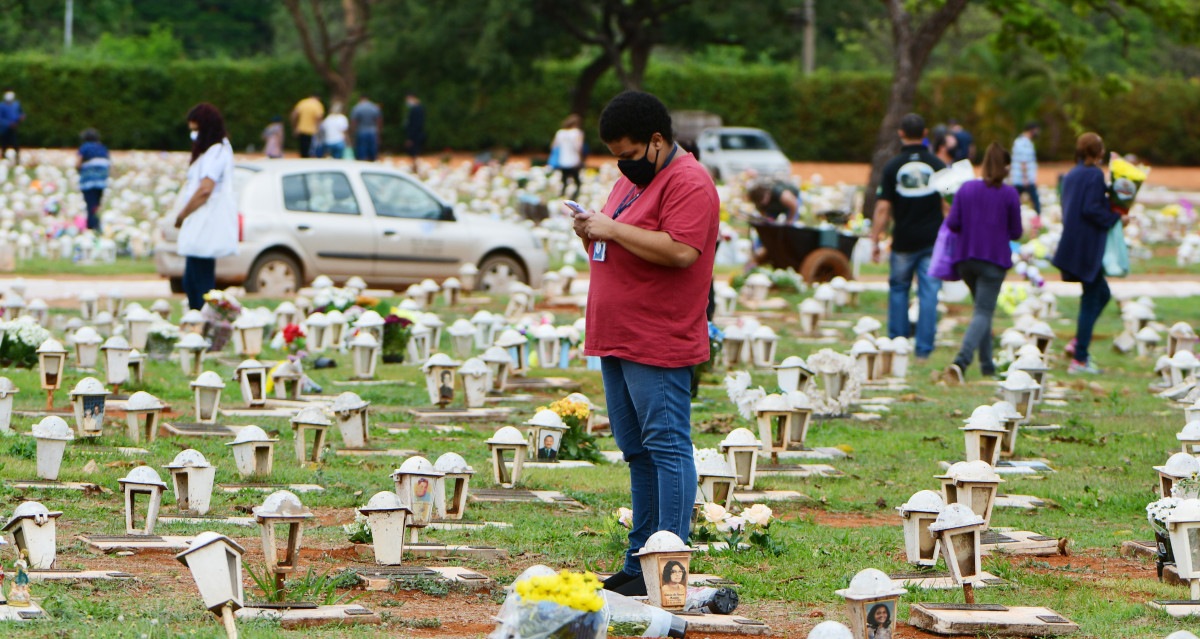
{"x":543,"y":604}
{"x":1127,"y":179}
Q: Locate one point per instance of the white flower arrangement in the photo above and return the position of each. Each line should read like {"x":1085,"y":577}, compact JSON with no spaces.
{"x":163,"y":329}
{"x":334,"y":298}
{"x":720,"y":525}
{"x":26,"y":330}
{"x":1157,"y":512}
{"x":828,"y":361}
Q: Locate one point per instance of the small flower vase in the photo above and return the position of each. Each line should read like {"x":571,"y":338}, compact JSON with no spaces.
{"x":218,"y":333}
{"x":159,"y":347}
{"x":1166,"y":554}
{"x":395,"y":342}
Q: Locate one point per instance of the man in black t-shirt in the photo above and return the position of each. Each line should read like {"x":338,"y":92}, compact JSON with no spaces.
{"x":906,"y":196}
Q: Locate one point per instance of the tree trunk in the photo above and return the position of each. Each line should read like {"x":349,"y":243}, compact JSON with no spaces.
{"x":912,"y":43}
{"x":639,"y":57}
{"x":581,"y":93}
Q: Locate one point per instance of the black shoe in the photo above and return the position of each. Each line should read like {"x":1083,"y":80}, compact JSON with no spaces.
{"x":635,"y":587}
{"x":618,"y":579}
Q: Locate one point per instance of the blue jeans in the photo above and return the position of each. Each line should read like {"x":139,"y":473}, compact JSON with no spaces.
{"x":1031,"y":189}
{"x":1095,"y":297}
{"x":199,"y":277}
{"x":334,"y":150}
{"x":650,"y":414}
{"x":903,"y":266}
{"x":985,"y":280}
{"x":366,"y":147}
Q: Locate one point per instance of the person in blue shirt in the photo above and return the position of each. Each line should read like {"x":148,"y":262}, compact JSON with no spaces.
{"x":965,"y":150}
{"x":93,"y":165}
{"x":1023,"y":173}
{"x":11,"y":117}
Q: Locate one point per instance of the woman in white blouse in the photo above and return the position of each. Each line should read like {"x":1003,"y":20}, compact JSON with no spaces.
{"x":568,"y":141}
{"x":207,"y":223}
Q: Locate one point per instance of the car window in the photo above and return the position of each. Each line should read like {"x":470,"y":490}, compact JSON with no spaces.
{"x":395,"y":196}
{"x":746,"y":142}
{"x":327,"y":192}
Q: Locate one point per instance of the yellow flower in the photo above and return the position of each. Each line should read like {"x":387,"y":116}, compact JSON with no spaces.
{"x":1122,"y":168}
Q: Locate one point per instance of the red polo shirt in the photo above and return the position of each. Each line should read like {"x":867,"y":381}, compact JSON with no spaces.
{"x":644,"y":312}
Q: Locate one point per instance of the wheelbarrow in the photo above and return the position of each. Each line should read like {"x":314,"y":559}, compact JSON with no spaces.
{"x":817,"y":254}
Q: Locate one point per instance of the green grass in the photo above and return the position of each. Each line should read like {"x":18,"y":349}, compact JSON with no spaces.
{"x":123,"y":266}
{"x":1112,"y":436}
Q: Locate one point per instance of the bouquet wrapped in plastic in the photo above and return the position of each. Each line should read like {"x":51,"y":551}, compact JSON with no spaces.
{"x":1127,"y":178}
{"x":543,"y":604}
{"x":949,"y":180}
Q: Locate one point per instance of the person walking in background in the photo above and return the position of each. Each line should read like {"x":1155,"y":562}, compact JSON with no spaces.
{"x":306,"y":118}
{"x":1087,"y":217}
{"x":986,"y":214}
{"x":366,"y":123}
{"x":333,"y":133}
{"x":1024,"y":165}
{"x":568,"y":146}
{"x":906,"y":195}
{"x":414,"y":128}
{"x":273,"y":138}
{"x":207,"y":221}
{"x":943,"y":144}
{"x":11,"y":117}
{"x":93,"y":165}
{"x":652,"y":247}
{"x":966,"y":142}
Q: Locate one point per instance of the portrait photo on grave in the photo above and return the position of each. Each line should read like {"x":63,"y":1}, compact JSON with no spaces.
{"x":879,"y":620}
{"x":422,"y":505}
{"x":548,"y":450}
{"x":674,"y":583}
{"x":446,"y":388}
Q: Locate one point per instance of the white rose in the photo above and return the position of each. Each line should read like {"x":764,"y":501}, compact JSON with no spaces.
{"x":758,"y":514}
{"x":715,"y":513}
{"x":625,"y":517}
{"x":732,"y":524}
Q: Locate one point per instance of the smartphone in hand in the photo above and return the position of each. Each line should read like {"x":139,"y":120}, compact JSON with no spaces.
{"x":575,"y":207}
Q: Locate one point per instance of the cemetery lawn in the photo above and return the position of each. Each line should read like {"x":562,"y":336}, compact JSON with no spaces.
{"x":42,"y":266}
{"x":1113,"y":431}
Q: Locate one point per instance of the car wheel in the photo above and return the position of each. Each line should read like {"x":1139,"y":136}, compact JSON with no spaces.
{"x":823,"y":265}
{"x":274,"y":274}
{"x":176,"y":284}
{"x":498,"y":269}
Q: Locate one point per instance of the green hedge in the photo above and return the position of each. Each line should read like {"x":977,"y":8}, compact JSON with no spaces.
{"x":830,"y":117}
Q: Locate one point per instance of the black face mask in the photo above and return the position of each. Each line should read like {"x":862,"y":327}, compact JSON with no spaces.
{"x":640,"y":171}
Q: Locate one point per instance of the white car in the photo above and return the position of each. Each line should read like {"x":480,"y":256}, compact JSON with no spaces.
{"x":302,"y":218}
{"x":730,"y":151}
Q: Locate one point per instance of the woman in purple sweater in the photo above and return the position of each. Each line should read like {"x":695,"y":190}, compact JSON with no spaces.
{"x":986,"y":214}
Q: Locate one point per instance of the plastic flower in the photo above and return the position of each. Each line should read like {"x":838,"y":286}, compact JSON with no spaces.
{"x":758,"y":514}
{"x":625,"y":517}
{"x":715,"y":513}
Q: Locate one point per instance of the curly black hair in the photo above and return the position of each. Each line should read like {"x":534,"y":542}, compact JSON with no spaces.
{"x":637,"y":116}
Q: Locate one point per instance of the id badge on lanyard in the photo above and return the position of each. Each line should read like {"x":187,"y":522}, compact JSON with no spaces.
{"x":600,"y":247}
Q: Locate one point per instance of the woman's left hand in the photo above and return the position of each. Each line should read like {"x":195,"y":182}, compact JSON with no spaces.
{"x":179,"y":220}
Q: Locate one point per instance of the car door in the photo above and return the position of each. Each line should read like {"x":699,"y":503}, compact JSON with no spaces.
{"x":323,"y":212}
{"x":414,"y":241}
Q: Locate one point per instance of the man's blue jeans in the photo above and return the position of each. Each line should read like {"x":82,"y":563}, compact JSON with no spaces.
{"x":903,"y":266}
{"x":650,"y":414}
{"x":366,"y":147}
